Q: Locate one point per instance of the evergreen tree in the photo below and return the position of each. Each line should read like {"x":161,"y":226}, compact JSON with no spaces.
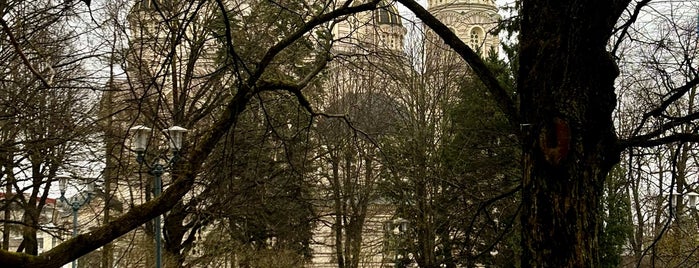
{"x":616,"y":219}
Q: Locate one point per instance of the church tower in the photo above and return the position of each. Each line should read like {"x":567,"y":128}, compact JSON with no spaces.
{"x":147,"y":42}
{"x":472,"y":20}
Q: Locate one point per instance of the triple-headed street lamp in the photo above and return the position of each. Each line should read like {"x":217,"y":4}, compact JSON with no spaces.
{"x":76,"y":202}
{"x":139,"y":145}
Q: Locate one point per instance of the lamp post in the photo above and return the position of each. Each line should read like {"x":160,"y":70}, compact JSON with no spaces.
{"x":402,"y":256}
{"x":76,"y":203}
{"x":142,"y":135}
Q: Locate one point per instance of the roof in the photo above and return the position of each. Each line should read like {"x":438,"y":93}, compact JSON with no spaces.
{"x":48,"y":200}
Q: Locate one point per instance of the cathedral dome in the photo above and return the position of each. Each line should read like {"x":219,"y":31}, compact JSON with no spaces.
{"x":462,"y":4}
{"x":388,"y":14}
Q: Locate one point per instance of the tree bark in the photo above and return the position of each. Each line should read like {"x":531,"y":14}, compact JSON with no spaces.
{"x":566,"y":87}
{"x":32,"y":211}
{"x":174,"y":230}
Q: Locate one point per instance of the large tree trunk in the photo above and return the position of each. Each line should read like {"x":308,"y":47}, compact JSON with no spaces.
{"x":566,"y":80}
{"x":32,"y":211}
{"x":566,"y":89}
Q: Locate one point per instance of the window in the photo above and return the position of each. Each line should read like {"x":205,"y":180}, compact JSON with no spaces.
{"x":387,"y":16}
{"x":384,"y":18}
{"x":476,"y":37}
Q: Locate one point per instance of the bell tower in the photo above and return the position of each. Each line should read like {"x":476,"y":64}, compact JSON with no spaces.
{"x":390,"y":27}
{"x":472,"y":20}
{"x":146,"y":35}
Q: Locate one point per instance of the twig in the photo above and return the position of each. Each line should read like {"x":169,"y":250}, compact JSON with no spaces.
{"x":14,"y":43}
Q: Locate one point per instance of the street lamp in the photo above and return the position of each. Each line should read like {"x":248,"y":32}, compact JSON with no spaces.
{"x":141,"y":136}
{"x":76,"y":201}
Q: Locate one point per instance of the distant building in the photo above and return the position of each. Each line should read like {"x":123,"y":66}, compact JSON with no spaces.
{"x":55,"y":223}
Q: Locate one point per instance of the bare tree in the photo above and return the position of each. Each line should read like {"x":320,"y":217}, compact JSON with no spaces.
{"x":47,"y":113}
{"x":656,"y":89}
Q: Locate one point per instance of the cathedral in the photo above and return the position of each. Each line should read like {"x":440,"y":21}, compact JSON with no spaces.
{"x":375,"y":55}
{"x":376,"y":60}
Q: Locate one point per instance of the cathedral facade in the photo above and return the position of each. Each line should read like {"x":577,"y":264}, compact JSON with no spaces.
{"x":369,"y":82}
{"x":366,"y":80}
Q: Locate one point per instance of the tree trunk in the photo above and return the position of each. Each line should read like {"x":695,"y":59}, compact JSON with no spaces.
{"x":566,"y":80}
{"x":110,"y":172}
{"x":338,"y":213}
{"x":174,"y":230}
{"x":29,"y":240}
{"x":32,"y":212}
{"x":9,"y":180}
{"x":638,"y":237}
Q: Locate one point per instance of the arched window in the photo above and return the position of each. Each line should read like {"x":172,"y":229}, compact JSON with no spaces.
{"x":387,"y":15}
{"x":477,"y":36}
{"x":384,"y":16}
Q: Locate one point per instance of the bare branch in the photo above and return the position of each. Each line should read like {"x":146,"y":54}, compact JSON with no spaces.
{"x":308,"y":26}
{"x":625,"y":27}
{"x":645,"y":143}
{"x":19,"y":51}
{"x":658,"y":111}
{"x":297,"y":87}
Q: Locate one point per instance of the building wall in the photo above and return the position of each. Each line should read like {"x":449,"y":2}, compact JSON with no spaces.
{"x":374,"y":250}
